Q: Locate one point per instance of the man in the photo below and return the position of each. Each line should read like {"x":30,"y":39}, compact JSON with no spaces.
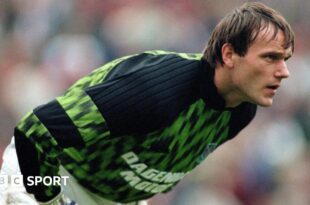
{"x":136,"y":126}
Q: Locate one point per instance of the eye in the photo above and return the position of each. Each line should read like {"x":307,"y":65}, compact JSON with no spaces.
{"x":271,"y":58}
{"x":285,"y":59}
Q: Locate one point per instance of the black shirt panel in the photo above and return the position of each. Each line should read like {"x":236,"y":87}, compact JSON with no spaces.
{"x":58,"y":123}
{"x":241,"y":117}
{"x":147,"y":92}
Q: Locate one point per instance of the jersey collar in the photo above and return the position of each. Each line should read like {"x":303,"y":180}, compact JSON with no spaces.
{"x":208,"y":90}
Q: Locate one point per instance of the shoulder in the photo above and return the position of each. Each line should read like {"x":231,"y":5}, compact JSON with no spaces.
{"x":153,"y":61}
{"x":188,"y":56}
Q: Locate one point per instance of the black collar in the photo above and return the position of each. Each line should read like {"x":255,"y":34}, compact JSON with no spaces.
{"x":208,"y":90}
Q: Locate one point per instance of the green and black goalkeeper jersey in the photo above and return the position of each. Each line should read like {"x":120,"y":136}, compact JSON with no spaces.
{"x":130,"y":129}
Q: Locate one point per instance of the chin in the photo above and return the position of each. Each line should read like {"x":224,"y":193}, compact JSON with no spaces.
{"x":265,"y":103}
{"x":262,"y":101}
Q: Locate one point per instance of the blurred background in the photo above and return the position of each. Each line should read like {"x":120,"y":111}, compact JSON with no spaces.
{"x":46,"y":45}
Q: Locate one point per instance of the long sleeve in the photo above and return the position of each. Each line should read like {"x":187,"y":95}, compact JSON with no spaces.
{"x":125,"y":92}
{"x":37,"y":154}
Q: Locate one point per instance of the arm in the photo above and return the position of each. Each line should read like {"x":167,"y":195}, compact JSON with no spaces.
{"x":37,"y":159}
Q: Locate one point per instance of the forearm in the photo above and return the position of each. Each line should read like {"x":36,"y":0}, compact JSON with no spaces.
{"x":35,"y":163}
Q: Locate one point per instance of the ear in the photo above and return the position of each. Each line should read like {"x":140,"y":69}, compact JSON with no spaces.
{"x":227,"y":55}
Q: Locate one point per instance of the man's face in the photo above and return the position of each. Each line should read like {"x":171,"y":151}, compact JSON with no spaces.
{"x":259,"y":73}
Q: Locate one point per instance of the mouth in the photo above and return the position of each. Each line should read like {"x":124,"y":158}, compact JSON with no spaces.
{"x":273,"y":88}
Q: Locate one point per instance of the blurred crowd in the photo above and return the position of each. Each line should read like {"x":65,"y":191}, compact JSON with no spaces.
{"x":46,"y":45}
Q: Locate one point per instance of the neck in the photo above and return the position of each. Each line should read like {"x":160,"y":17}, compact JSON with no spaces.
{"x":226,"y":88}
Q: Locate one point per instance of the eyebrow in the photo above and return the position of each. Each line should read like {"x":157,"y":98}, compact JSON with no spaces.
{"x":277,"y":54}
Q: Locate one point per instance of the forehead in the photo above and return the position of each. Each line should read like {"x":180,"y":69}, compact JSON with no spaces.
{"x":270,"y":39}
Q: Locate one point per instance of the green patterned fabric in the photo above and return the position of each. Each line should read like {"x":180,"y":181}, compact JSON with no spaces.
{"x":45,"y":143}
{"x":158,"y":162}
{"x":97,"y":76}
{"x":85,"y":116}
{"x":127,"y":168}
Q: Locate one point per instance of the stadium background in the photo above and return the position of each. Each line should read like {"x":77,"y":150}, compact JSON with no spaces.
{"x":45,"y":45}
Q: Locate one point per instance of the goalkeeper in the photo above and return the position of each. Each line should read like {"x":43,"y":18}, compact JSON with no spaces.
{"x":136,"y":126}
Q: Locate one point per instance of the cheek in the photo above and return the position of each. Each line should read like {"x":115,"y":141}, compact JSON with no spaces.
{"x":248,"y":72}
{"x":249,"y":79}
{"x":244,"y":74}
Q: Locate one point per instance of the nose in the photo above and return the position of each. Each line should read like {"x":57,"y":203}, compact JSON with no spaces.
{"x":282,"y":71}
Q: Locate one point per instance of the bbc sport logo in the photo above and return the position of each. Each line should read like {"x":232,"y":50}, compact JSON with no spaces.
{"x":18,"y":180}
